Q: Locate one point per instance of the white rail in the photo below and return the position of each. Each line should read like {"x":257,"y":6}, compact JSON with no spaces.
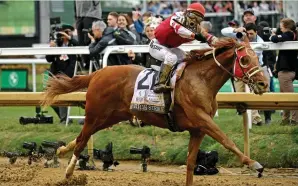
{"x":290,"y":45}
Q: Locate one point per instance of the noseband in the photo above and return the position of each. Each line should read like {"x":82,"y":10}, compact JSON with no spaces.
{"x":247,"y":76}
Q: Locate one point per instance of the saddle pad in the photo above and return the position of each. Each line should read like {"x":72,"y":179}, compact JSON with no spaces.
{"x":145,"y":99}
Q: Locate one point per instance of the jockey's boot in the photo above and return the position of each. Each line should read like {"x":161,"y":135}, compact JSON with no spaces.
{"x":161,"y":80}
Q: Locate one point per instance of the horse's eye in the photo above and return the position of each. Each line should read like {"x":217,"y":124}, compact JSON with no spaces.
{"x":244,"y":61}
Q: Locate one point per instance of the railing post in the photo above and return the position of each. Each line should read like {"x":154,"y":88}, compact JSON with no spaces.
{"x":33,"y":77}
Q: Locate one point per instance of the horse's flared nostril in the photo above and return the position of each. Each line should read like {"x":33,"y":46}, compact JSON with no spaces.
{"x":262,"y":85}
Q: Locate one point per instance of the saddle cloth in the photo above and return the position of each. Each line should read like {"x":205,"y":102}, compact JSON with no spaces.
{"x":145,"y":99}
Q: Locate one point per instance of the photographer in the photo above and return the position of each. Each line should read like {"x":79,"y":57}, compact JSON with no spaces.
{"x":86,"y":12}
{"x":286,"y":65}
{"x":62,"y":63}
{"x":102,"y":37}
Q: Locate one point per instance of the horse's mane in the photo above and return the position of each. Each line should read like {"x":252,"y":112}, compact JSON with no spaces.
{"x":221,"y":45}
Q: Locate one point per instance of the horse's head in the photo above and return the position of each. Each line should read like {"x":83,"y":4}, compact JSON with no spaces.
{"x":246,"y":66}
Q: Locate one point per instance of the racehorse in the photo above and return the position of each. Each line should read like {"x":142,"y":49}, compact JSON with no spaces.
{"x":110,"y":91}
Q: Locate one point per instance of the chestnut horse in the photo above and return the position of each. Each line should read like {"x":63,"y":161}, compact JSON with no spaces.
{"x":110,"y":91}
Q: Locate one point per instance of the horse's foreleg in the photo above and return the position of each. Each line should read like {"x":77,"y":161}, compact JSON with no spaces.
{"x":61,"y":151}
{"x":193,"y":148}
{"x":211,"y":129}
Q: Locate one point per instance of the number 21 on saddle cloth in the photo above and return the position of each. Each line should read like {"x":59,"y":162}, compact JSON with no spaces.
{"x":144,"y":99}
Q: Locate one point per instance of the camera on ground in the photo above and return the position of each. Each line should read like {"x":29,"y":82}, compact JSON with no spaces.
{"x":39,"y":119}
{"x":145,"y":155}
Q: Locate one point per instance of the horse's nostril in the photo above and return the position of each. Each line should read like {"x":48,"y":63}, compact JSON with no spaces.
{"x":261,"y":84}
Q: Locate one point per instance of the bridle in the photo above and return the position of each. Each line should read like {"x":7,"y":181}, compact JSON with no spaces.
{"x":247,"y":76}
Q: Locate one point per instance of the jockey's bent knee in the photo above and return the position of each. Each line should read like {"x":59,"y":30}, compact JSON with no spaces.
{"x":171,"y":59}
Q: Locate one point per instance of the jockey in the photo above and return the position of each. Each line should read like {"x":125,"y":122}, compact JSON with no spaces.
{"x":169,"y":35}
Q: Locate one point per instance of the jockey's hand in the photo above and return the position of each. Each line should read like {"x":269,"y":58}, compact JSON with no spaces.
{"x":199,"y":28}
{"x":131,"y":54}
{"x":200,"y":37}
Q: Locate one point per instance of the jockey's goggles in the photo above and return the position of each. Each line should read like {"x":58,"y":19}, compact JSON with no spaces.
{"x":195,"y":15}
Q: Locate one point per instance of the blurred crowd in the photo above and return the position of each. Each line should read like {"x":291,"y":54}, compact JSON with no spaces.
{"x":168,"y":7}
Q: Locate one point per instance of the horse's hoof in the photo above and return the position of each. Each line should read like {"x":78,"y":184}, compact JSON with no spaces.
{"x":258,"y":167}
{"x":68,"y":175}
{"x":59,"y":152}
{"x":260,"y":172}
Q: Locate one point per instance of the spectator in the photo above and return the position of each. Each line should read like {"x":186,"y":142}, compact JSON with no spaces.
{"x":234,"y":24}
{"x":146,"y":59}
{"x":132,"y":27}
{"x":249,"y":16}
{"x":145,"y":16}
{"x":264,"y":6}
{"x":86,"y":12}
{"x":124,"y":36}
{"x":207,"y":26}
{"x":138,"y":24}
{"x":286,"y":66}
{"x":112,"y":19}
{"x":102,"y":38}
{"x":62,"y":63}
{"x":123,"y":25}
{"x":269,"y":58}
{"x":256,"y":8}
{"x":208,"y":7}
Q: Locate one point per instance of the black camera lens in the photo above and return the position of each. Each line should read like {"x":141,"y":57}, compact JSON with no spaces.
{"x":29,"y":145}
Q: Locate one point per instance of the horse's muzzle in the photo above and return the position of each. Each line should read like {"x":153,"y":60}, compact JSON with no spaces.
{"x":260,"y":87}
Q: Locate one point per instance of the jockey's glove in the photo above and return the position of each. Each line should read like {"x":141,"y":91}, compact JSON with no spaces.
{"x":200,"y":37}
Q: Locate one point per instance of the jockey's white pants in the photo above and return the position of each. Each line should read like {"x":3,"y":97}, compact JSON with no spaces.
{"x":169,"y":56}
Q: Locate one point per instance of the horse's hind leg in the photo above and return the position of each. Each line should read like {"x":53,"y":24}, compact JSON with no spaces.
{"x":92,"y":124}
{"x":81,"y":142}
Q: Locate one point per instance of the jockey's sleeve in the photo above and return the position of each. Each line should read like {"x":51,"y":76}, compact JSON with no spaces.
{"x":180,"y":30}
{"x":211,"y":39}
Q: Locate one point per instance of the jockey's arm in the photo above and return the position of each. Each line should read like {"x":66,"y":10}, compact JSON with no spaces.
{"x":179,"y":29}
{"x":210,"y":39}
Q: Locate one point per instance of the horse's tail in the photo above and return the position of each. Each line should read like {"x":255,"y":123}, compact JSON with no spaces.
{"x":62,"y":84}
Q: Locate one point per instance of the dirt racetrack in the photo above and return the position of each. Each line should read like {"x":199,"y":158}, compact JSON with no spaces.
{"x":129,"y":174}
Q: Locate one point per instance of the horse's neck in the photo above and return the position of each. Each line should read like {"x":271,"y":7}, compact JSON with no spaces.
{"x":209,"y":72}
